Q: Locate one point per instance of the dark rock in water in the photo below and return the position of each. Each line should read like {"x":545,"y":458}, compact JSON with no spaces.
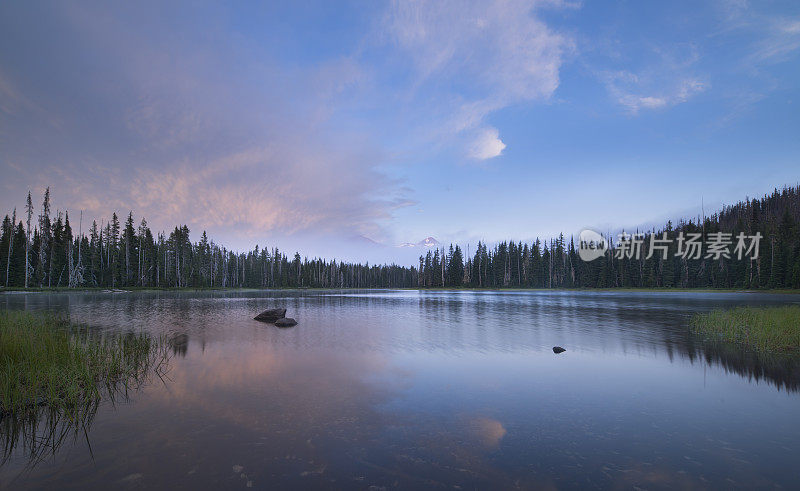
{"x":558,"y":349}
{"x":286,"y":322}
{"x":271,"y":315}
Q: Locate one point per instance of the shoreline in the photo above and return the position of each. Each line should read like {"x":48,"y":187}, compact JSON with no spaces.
{"x":134,"y":289}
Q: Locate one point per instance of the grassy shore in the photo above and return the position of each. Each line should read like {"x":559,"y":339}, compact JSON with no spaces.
{"x":764,"y":329}
{"x":46,"y":361}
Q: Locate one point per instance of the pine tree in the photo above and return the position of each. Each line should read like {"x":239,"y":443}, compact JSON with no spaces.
{"x":6,"y":239}
{"x":131,"y":250}
{"x":456,"y":269}
{"x":29,"y":213}
{"x":44,"y":240}
{"x":112,"y":239}
{"x":17,"y":269}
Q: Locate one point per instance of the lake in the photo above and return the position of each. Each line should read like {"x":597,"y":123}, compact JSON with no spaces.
{"x":429,"y":389}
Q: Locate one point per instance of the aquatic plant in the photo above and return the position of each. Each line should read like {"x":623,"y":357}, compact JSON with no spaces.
{"x":765,"y":329}
{"x":54,"y":375}
{"x":46,"y":361}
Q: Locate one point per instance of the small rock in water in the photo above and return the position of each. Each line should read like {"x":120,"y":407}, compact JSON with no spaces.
{"x":558,"y":349}
{"x":271,"y":315}
{"x":286,"y":322}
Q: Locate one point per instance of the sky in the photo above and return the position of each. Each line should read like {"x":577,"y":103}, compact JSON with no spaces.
{"x":344,"y":129}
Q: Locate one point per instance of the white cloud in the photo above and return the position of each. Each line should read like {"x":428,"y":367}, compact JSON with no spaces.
{"x":654,"y":89}
{"x":477,"y":57}
{"x":487,"y":144}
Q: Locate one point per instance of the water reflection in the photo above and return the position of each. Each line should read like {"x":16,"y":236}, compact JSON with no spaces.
{"x":179,"y":344}
{"x":41,"y":433}
{"x":779,"y":370}
{"x":33,"y":433}
{"x":434,"y":389}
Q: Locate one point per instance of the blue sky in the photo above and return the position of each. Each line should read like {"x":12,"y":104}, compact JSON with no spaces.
{"x":312,"y":124}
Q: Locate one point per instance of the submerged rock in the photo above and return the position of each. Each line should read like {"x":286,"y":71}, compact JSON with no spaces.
{"x":286,"y":322}
{"x":271,"y":315}
{"x":558,"y":349}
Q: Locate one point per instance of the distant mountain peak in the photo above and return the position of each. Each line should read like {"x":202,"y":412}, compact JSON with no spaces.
{"x":364,"y":238}
{"x":426,"y":242}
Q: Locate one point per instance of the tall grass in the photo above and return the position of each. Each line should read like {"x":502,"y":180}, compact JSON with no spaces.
{"x":53,"y":376}
{"x":764,"y":329}
{"x":45,"y":361}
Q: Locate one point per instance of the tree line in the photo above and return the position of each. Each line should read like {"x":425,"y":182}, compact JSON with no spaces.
{"x":44,"y":251}
{"x":556,"y":263}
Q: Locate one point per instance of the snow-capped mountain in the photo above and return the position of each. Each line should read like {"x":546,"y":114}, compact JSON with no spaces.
{"x":426,"y":242}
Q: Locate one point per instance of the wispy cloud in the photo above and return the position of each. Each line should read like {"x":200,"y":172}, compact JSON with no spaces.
{"x":765,"y":40}
{"x":478,"y":57}
{"x":650,"y":91}
{"x":181,"y":130}
{"x":647,"y":76}
{"x":658,"y":74}
{"x":780,"y":39}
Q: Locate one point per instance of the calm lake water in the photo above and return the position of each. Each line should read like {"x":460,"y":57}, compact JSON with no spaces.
{"x":406,"y":389}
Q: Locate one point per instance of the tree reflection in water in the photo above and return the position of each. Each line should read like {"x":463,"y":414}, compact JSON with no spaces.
{"x":779,"y":370}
